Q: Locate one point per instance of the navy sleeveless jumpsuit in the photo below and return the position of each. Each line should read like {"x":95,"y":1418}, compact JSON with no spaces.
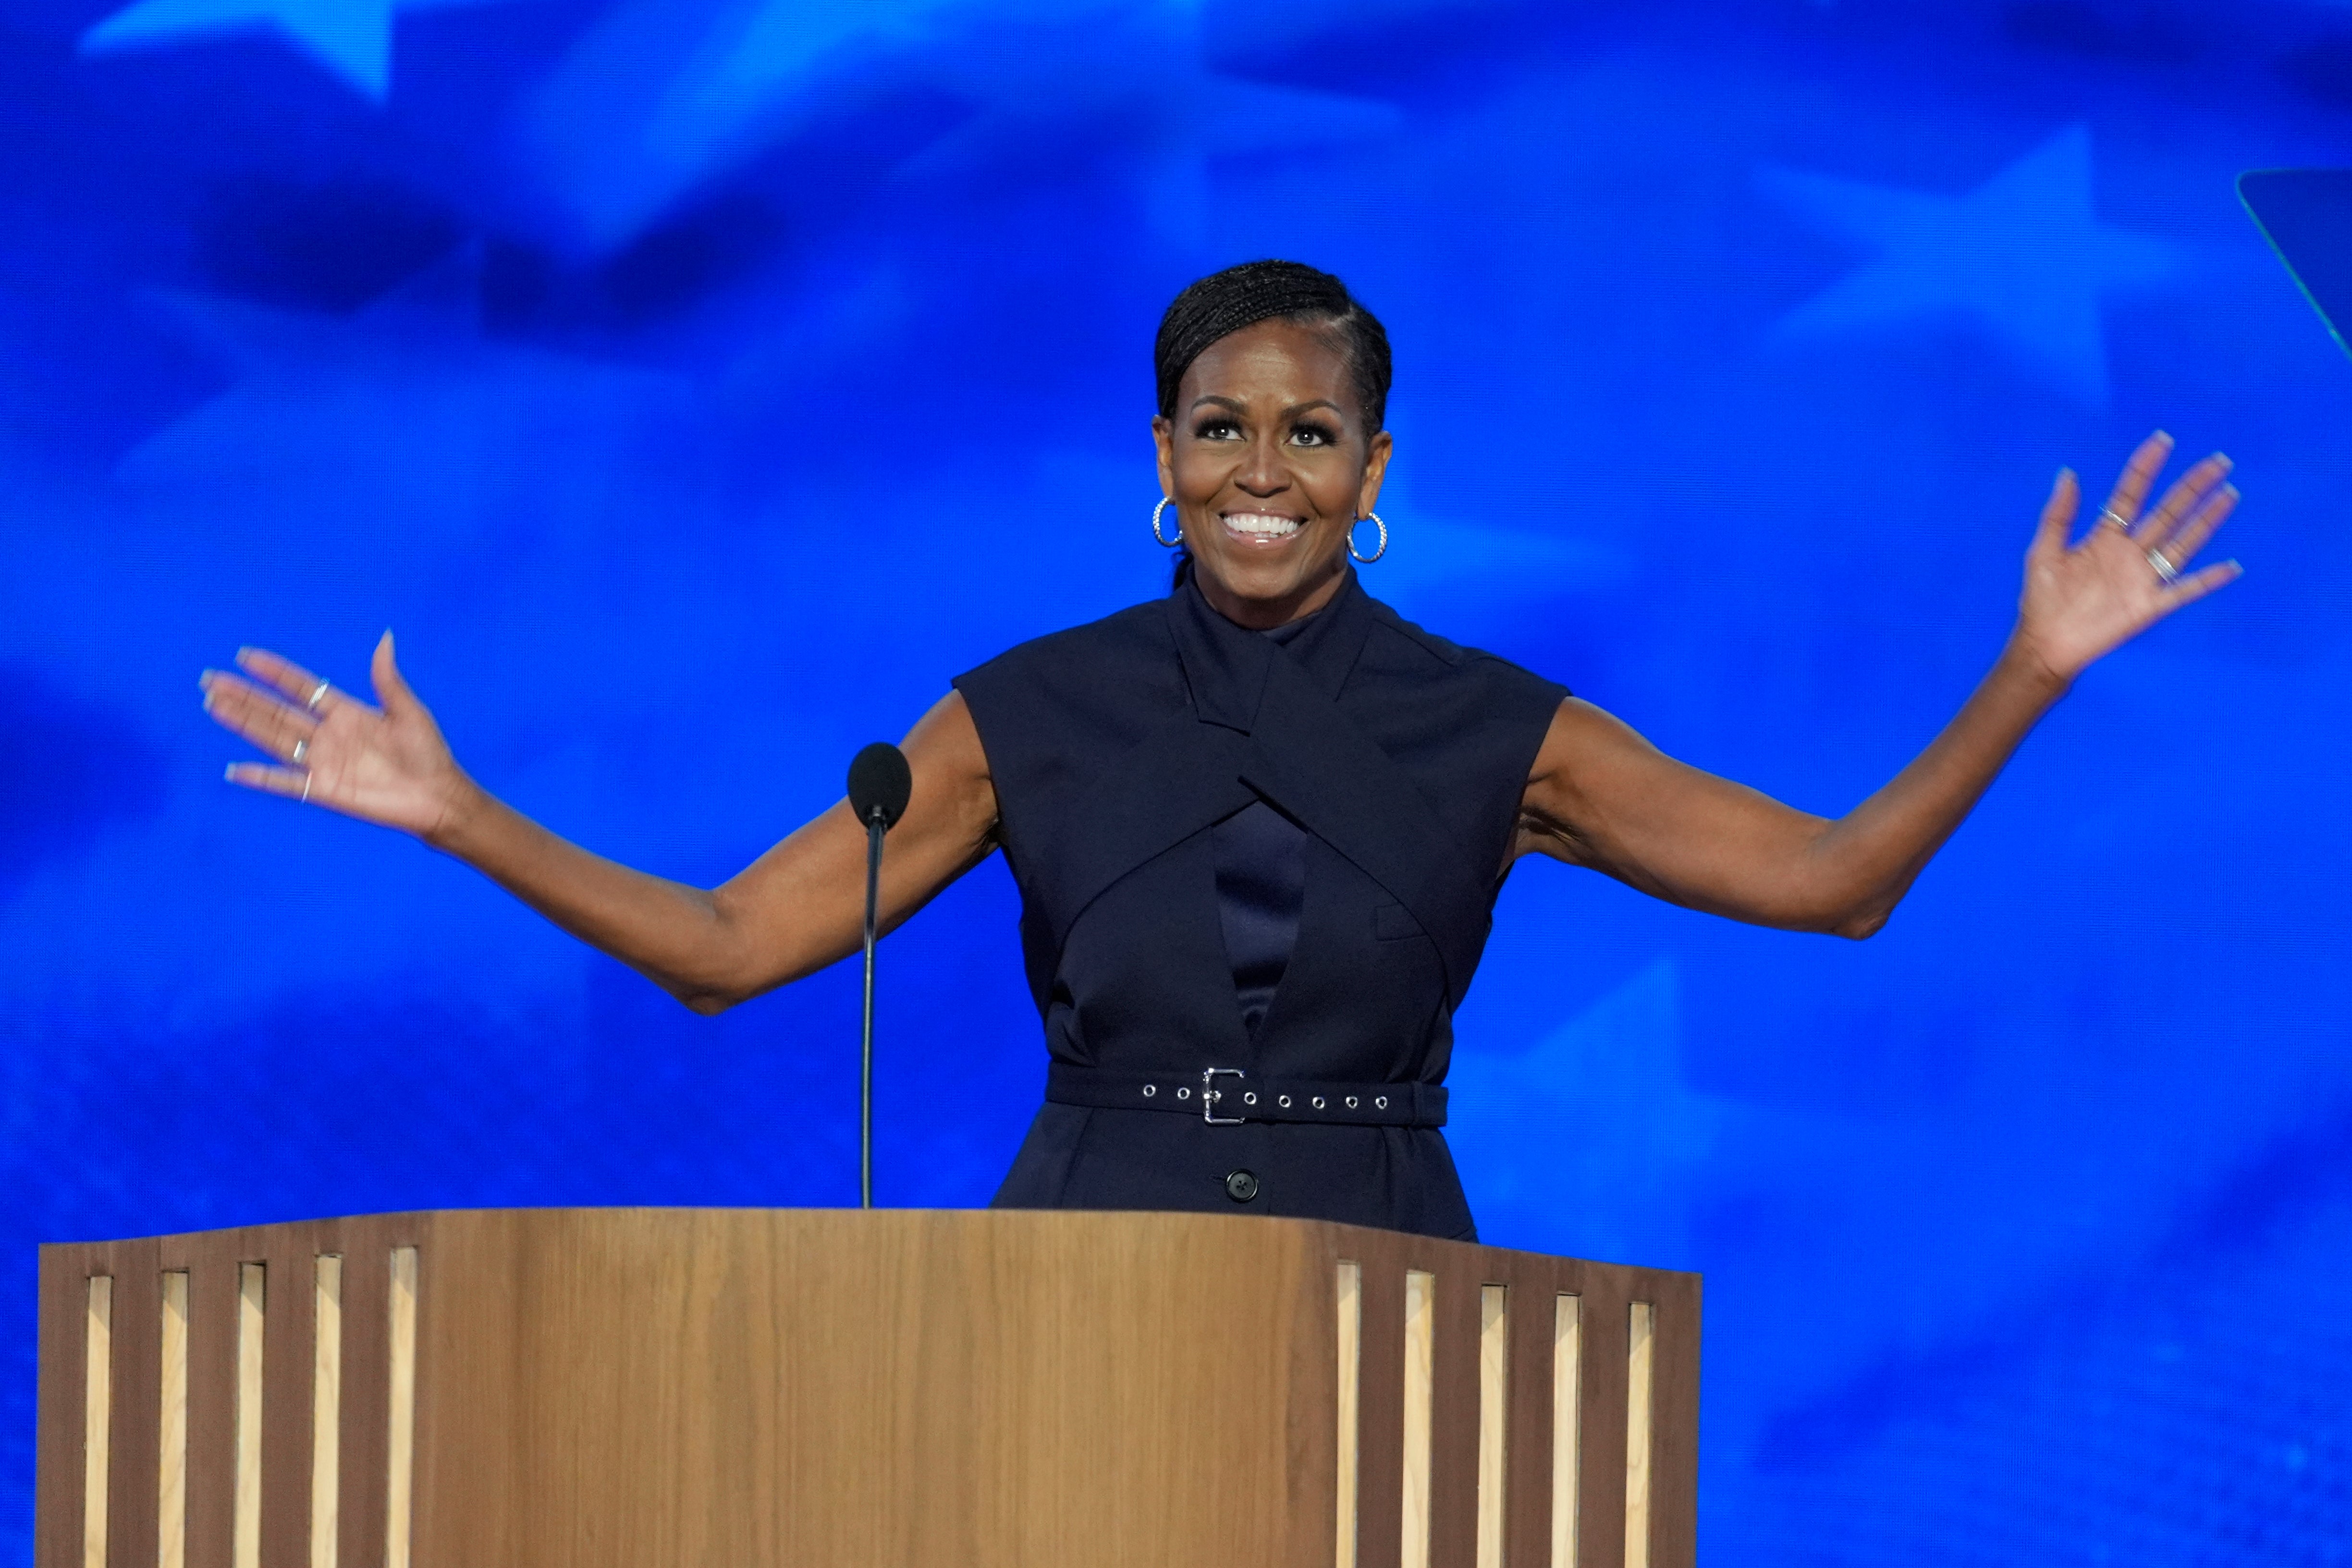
{"x":1256,"y":875}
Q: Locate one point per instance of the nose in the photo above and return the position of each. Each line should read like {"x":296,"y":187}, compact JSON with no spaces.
{"x":1262,"y":473}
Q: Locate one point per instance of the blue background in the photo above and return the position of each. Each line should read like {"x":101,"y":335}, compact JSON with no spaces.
{"x":696,"y":384}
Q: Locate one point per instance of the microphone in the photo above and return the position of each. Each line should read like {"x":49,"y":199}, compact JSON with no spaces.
{"x":879,"y":784}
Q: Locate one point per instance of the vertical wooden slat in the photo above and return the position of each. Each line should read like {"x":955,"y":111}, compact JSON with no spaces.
{"x":98,"y":1413}
{"x":1526,"y":1532}
{"x":1642,"y":1321}
{"x":400,"y":1427}
{"x":171,"y":1423}
{"x":326,"y":1406}
{"x":1493,"y":1430}
{"x":1454,"y":1403}
{"x":1606,"y":1308}
{"x":1419,"y":1378}
{"x":210,"y":1262}
{"x":1379,"y":1459}
{"x":138,"y":1331}
{"x":290,"y":1253}
{"x":252,"y":1326}
{"x":1350,"y":1329}
{"x":367,"y":1369}
{"x":1673,"y":1431}
{"x":1566,"y":1423}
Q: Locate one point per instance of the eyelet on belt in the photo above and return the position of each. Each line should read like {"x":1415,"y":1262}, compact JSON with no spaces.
{"x":1284,"y":1102}
{"x":1383,"y":1102}
{"x":1250,"y":1098}
{"x":1319,"y":1102}
{"x":1351,"y":1102}
{"x":1183,"y":1094}
{"x":1149,"y":1089}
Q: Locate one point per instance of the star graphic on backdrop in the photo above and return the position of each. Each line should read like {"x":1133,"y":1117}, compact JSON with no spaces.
{"x":660,"y":97}
{"x":2024,"y":255}
{"x":1587,"y":1137}
{"x":349,"y":38}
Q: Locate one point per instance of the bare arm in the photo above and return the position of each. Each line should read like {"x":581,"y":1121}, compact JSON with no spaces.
{"x":1600,"y":796}
{"x":796,"y":909}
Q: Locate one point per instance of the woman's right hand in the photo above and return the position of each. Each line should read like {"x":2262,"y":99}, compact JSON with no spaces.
{"x":384,"y":765}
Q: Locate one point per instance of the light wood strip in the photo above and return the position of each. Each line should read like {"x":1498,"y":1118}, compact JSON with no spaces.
{"x":326,"y":1406}
{"x":1494,"y":1383}
{"x":171,"y":1428}
{"x":1566,"y":1390}
{"x":1642,"y":1336}
{"x":1420,"y":1388}
{"x":400,"y":1448}
{"x":252,"y":1316}
{"x":1350,"y":1347}
{"x":97,"y":1414}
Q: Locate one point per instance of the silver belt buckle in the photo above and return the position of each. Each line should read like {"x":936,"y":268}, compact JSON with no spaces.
{"x":1211,"y":1094}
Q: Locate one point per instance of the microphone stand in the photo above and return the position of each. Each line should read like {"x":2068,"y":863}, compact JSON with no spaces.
{"x":876,"y":825}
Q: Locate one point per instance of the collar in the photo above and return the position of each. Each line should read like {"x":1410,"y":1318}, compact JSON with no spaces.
{"x":1225,"y":666}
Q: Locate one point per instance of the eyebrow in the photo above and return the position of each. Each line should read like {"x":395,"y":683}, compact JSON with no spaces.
{"x":1294,"y":408}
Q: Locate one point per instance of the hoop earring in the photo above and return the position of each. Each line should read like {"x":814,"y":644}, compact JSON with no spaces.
{"x":1171,"y":543}
{"x":1373,"y":518}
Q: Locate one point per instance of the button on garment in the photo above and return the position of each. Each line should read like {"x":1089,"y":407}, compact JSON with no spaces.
{"x":1123,"y":753}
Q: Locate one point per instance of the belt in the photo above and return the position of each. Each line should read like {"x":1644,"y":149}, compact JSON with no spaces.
{"x":1226,"y":1097}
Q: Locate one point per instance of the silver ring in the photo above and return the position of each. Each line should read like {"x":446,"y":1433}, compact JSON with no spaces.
{"x":2109,"y":514}
{"x":306,"y":787}
{"x":301,"y":750}
{"x":2166,"y":572}
{"x":317,"y":695}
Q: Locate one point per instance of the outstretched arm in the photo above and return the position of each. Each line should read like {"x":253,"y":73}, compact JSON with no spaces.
{"x":1600,"y":796}
{"x":793,"y":911}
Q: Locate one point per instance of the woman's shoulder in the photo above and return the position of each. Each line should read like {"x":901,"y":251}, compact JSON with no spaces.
{"x":1137,"y":631}
{"x":1404,"y":650}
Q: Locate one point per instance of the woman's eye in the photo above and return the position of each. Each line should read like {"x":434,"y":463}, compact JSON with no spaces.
{"x":1311,"y":436}
{"x":1215,"y":430}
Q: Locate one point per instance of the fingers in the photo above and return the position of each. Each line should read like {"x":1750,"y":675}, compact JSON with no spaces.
{"x":2139,"y":476}
{"x":294,"y":783}
{"x":257,"y":715}
{"x":392,"y":691}
{"x":2057,"y":515}
{"x":2181,"y":545}
{"x":286,"y":678}
{"x":2197,"y":584}
{"x":2182,"y":500}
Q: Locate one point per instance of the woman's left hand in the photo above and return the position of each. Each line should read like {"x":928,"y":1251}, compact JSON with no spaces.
{"x":2083,"y":601}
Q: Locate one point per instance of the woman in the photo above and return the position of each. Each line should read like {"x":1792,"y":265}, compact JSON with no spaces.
{"x":1258,"y":826}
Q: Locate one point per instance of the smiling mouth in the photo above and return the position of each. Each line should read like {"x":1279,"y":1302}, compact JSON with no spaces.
{"x":1262,"y":527}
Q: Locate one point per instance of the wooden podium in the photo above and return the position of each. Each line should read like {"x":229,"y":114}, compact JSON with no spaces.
{"x":723,"y":1388}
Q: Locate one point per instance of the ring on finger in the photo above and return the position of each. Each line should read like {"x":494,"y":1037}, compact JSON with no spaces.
{"x":306,"y":788}
{"x":2166,"y":572}
{"x":317,"y":695}
{"x":301,"y":750}
{"x":2108,"y":514}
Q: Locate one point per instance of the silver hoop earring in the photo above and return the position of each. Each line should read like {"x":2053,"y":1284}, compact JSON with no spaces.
{"x":1171,"y":543}
{"x":1374,"y":518}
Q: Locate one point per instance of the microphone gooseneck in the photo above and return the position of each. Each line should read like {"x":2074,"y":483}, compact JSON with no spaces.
{"x":880,"y":783}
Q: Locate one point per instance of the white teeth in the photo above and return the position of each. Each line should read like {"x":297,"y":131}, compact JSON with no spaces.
{"x":1261,"y":525}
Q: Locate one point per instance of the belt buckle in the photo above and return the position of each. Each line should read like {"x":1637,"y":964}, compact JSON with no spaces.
{"x":1211,"y":1094}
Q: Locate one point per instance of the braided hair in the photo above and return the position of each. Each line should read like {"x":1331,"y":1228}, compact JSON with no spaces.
{"x":1224,"y":302}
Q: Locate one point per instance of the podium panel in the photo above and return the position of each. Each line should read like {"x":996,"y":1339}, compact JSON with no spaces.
{"x":643,"y":1388}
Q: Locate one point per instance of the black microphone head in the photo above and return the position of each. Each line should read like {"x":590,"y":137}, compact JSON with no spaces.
{"x":879,"y":782}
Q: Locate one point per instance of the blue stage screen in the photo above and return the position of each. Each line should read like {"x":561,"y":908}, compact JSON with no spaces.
{"x":696,"y":385}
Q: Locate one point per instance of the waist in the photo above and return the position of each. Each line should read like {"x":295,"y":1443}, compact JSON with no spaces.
{"x":1228,"y":1096}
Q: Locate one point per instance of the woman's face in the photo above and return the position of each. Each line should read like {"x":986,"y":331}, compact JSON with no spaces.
{"x":1269,"y":466}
